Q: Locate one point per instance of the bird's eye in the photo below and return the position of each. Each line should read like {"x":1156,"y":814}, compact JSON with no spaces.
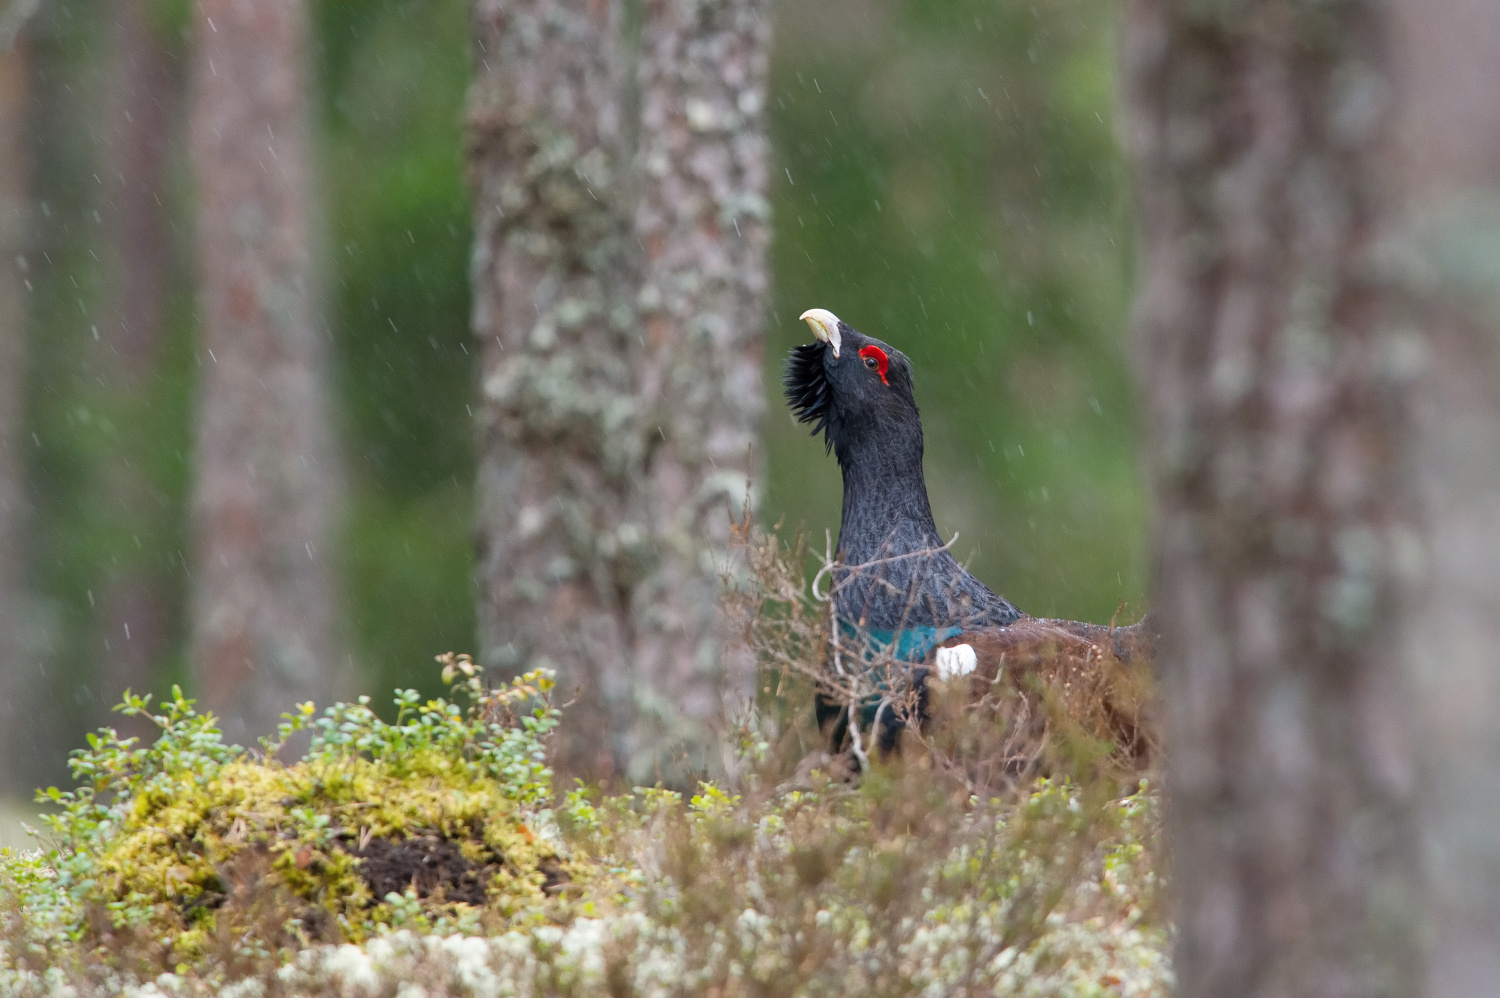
{"x":876,"y":360}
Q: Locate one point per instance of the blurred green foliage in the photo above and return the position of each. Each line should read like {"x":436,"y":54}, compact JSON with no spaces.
{"x":111,"y":456}
{"x":392,"y":78}
{"x":230,"y":867}
{"x":945,"y":178}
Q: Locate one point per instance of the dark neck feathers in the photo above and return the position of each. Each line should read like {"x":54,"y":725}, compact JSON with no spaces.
{"x":894,"y":573}
{"x":886,"y":510}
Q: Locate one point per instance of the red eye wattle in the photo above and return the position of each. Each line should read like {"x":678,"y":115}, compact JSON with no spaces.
{"x":876,"y":360}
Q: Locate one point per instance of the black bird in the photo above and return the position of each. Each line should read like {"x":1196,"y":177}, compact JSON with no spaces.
{"x":895,"y":575}
{"x":905,"y":608}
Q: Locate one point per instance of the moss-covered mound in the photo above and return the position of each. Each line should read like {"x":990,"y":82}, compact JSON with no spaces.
{"x":431,"y":854}
{"x":190,"y":845}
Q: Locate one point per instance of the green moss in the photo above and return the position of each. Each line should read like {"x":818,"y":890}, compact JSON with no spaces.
{"x":403,"y":838}
{"x":189,"y":839}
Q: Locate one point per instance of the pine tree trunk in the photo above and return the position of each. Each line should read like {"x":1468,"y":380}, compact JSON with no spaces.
{"x":145,"y":93}
{"x":264,"y":604}
{"x":1447,"y":63}
{"x":618,"y":299}
{"x":1269,"y":361}
{"x":17,"y":729}
{"x":553,"y":277}
{"x":134,"y":612}
{"x":702,"y":225}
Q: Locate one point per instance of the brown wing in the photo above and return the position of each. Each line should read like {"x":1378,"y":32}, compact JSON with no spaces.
{"x":1051,"y":694}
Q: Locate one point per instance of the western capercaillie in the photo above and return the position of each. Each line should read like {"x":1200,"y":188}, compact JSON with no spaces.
{"x":905,"y":609}
{"x":896,"y":573}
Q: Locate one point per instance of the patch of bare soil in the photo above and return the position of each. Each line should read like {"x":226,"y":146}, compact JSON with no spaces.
{"x":427,"y":863}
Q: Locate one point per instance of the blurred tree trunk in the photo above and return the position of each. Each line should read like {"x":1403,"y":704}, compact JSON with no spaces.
{"x":18,"y":730}
{"x":144,"y":89}
{"x":1447,"y":67}
{"x":1270,"y":356}
{"x":702,"y":225}
{"x":552,"y":273}
{"x":133,"y":616}
{"x":264,"y":603}
{"x":617,"y":300}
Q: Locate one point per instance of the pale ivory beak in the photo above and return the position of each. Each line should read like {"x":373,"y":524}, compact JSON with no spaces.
{"x":825,"y":326}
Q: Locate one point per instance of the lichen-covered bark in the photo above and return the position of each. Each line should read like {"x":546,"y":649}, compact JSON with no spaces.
{"x":1447,"y":253}
{"x":702,"y":226}
{"x":265,"y":477}
{"x":1275,"y":394}
{"x":554,"y":275}
{"x":619,"y":280}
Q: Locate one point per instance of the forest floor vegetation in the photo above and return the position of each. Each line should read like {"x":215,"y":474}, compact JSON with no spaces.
{"x":433,"y":855}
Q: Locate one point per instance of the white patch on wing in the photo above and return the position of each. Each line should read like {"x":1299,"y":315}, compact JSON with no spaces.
{"x":955,"y":661}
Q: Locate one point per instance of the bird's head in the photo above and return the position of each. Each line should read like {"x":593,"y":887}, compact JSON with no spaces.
{"x":853,"y":388}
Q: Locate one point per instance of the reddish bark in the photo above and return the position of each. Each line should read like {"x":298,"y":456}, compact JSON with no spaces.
{"x":145,"y":94}
{"x":265,"y":492}
{"x":133,"y":618}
